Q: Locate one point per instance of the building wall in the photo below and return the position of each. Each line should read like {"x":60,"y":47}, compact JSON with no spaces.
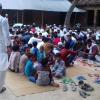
{"x":28,"y":17}
{"x":93,"y":14}
{"x":40,"y":17}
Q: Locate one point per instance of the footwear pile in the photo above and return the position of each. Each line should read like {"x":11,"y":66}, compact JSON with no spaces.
{"x":3,"y":90}
{"x":82,"y":87}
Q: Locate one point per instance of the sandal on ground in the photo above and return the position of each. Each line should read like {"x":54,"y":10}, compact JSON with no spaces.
{"x":3,"y":90}
{"x":73,"y":87}
{"x":82,"y":94}
{"x":12,"y":70}
{"x":87,"y":87}
{"x":80,"y":83}
{"x":54,"y":84}
{"x":65,"y":88}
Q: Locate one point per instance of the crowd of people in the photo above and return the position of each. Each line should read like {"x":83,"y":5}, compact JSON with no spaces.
{"x":41,"y":53}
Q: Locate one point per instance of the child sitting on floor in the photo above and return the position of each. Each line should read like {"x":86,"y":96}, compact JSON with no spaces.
{"x":23,"y":60}
{"x":14,"y":59}
{"x":34,"y":49}
{"x":28,"y":70}
{"x":32,"y":67}
{"x":58,"y":70}
{"x":41,"y":54}
{"x":44,"y":77}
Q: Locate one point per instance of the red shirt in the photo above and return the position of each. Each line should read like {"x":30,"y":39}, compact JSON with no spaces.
{"x":33,"y":30}
{"x":65,"y":52}
{"x":56,"y":41}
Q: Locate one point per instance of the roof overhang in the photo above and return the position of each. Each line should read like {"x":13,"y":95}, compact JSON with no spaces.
{"x":43,"y":5}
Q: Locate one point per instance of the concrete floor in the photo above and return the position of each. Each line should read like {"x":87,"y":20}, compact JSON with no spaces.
{"x":53,"y":95}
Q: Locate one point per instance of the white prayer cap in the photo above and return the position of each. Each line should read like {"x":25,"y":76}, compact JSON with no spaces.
{"x":41,"y":30}
{"x":6,"y":15}
{"x":68,"y":33}
{"x":64,"y":26}
{"x":31,"y":32}
{"x":58,"y":28}
{"x":24,"y":25}
{"x":88,"y":30}
{"x":60,"y":43}
{"x":48,"y":26}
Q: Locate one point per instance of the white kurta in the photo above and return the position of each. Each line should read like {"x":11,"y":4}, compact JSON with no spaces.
{"x":4,"y":42}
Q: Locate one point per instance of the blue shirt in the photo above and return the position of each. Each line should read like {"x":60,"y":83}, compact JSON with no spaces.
{"x":34,"y":51}
{"x":29,"y":68}
{"x":41,"y":55}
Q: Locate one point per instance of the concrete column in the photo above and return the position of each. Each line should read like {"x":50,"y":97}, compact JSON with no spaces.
{"x":85,"y":21}
{"x":23,"y":16}
{"x":17,"y":16}
{"x":42,"y":18}
{"x":95,"y":18}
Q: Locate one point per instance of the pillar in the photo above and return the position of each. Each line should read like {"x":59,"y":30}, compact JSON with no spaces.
{"x":42,"y":18}
{"x":23,"y":16}
{"x":95,"y":18}
{"x":17,"y":16}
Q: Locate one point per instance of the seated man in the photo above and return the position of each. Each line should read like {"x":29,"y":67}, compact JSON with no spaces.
{"x":92,"y":50}
{"x":68,"y":56}
{"x":70,"y":42}
{"x":58,"y":70}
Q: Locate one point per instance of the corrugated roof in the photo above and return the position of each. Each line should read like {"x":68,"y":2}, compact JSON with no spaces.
{"x":45,"y":5}
{"x":89,"y":2}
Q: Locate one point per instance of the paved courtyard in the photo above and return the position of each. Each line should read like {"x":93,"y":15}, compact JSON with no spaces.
{"x":52,"y":95}
{"x":58,"y":94}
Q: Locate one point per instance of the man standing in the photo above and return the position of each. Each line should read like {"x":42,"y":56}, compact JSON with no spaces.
{"x":4,"y":43}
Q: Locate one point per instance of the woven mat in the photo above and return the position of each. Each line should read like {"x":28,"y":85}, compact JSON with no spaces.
{"x":20,"y":86}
